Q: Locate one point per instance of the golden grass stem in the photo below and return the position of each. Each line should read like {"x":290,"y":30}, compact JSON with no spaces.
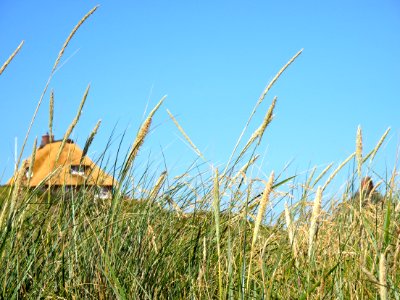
{"x":7,"y":62}
{"x":314,"y":221}
{"x":157,"y":187}
{"x":32,"y":162}
{"x":260,"y":215}
{"x":290,"y":229}
{"x":216,"y":209}
{"x":51,"y":116}
{"x":359,"y":149}
{"x":139,"y":140}
{"x":90,"y":140}
{"x":243,"y":170}
{"x":334,"y":173}
{"x":378,"y":145}
{"x":382,"y":277}
{"x":369,"y":275}
{"x":324,"y":171}
{"x":260,"y":100}
{"x":73,"y":124}
{"x":272,"y":82}
{"x":198,"y":152}
{"x":74,"y":30}
{"x":259,"y":132}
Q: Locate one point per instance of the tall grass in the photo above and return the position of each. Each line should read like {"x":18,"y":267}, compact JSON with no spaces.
{"x":199,"y":236}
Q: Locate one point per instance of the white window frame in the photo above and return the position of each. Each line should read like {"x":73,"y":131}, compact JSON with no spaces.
{"x":79,"y":171}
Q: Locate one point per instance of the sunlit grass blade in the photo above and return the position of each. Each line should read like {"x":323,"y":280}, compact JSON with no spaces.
{"x":359,"y":151}
{"x":314,"y":221}
{"x":73,"y":123}
{"x":216,"y":210}
{"x":334,"y":173}
{"x":260,"y":215}
{"x":372,"y":154}
{"x":51,"y":116}
{"x":187,"y":138}
{"x":260,"y":100}
{"x":7,"y":62}
{"x":90,"y":140}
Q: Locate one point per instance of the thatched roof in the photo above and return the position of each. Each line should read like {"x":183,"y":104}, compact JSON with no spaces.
{"x":70,"y":169}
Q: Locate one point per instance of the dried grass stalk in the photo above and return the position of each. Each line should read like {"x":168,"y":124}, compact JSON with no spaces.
{"x":150,"y":232}
{"x":139,"y":140}
{"x":260,"y":215}
{"x":263,"y":205}
{"x":73,"y":124}
{"x":201,"y":279}
{"x":216,"y":209}
{"x":243,"y":170}
{"x":382,"y":277}
{"x":324,"y":171}
{"x":334,"y":173}
{"x":90,"y":140}
{"x":396,"y":253}
{"x":379,"y":144}
{"x":11,"y":58}
{"x":314,"y":220}
{"x":60,"y":54}
{"x":32,"y":162}
{"x":269,"y":86}
{"x":370,"y":276}
{"x":157,"y":187}
{"x":260,"y":100}
{"x":198,"y":152}
{"x":51,"y":116}
{"x":259,"y":132}
{"x":292,"y":237}
{"x":359,"y":149}
{"x":20,"y":175}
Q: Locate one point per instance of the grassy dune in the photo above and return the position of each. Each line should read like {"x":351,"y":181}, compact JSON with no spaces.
{"x":200,"y":237}
{"x":71,"y":246}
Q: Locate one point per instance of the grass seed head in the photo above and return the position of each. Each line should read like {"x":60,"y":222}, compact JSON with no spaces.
{"x":382,"y":277}
{"x":359,"y":150}
{"x":314,"y":220}
{"x":51,"y":116}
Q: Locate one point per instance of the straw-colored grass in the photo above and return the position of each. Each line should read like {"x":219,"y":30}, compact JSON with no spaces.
{"x":51,"y":115}
{"x":7,"y":62}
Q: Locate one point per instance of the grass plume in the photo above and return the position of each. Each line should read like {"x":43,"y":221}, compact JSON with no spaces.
{"x":7,"y":62}
{"x":314,"y":221}
{"x":187,"y":138}
{"x":90,"y":140}
{"x":70,"y":36}
{"x":260,"y":100}
{"x":73,"y":123}
{"x":139,"y":140}
{"x":291,"y":232}
{"x":51,"y":115}
{"x":359,"y":150}
{"x":260,"y":215}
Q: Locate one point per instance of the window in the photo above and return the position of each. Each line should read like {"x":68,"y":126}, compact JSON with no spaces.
{"x":78,"y":170}
{"x":27,"y":174}
{"x":103,"y":193}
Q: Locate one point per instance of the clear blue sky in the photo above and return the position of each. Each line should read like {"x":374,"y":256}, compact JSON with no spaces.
{"x":212,"y":59}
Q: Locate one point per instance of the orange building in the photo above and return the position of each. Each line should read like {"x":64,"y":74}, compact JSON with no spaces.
{"x":72,"y":170}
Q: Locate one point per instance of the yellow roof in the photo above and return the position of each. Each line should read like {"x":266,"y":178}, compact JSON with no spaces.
{"x":68,"y":170}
